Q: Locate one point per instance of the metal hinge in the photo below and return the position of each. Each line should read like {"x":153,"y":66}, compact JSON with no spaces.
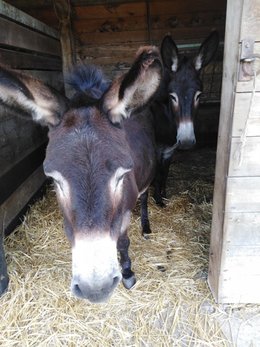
{"x":247,"y":59}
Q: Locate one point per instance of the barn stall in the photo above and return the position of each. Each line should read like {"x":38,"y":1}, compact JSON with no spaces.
{"x":171,"y":303}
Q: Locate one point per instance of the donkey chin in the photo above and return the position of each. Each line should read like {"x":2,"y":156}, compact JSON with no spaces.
{"x":95,"y":268}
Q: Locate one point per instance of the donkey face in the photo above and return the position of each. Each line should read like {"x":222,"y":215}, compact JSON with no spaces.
{"x":91,"y":163}
{"x":184,"y":84}
{"x":91,"y":167}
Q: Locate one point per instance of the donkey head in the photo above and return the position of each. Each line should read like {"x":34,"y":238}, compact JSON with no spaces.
{"x":90,"y":161}
{"x":184,"y":84}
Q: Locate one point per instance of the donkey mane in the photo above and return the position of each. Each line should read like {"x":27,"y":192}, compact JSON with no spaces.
{"x":88,"y":79}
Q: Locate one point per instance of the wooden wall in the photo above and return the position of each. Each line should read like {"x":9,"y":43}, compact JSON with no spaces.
{"x":32,"y":47}
{"x":234,"y":270}
{"x":108,"y":33}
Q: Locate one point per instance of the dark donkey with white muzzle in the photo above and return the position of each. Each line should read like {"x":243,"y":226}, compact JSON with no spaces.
{"x":175,"y":107}
{"x":101,"y":156}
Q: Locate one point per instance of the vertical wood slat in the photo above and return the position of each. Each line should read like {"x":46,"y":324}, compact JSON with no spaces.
{"x":63,"y":11}
{"x":230,"y":68}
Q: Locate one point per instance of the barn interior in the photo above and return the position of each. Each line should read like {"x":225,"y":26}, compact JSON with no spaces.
{"x":171,"y":304}
{"x":106,"y":34}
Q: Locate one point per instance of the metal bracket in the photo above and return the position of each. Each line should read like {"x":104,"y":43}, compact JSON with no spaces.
{"x":247,"y":58}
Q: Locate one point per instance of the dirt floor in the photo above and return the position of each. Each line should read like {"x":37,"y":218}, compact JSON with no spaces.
{"x":170,"y":305}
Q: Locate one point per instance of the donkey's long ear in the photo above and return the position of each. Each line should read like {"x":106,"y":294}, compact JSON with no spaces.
{"x":169,"y":52}
{"x":207,"y":50}
{"x":27,"y":95}
{"x":136,"y":87}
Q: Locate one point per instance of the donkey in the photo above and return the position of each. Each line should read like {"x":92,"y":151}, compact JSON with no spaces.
{"x":101,"y":156}
{"x":175,"y":107}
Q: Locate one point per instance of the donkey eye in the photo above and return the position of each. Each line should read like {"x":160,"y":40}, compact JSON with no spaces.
{"x":174,"y":97}
{"x":197,"y":96}
{"x":116,"y":181}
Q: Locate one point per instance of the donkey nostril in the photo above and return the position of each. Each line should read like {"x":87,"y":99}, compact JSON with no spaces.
{"x":116,"y":280}
{"x":77,"y":291}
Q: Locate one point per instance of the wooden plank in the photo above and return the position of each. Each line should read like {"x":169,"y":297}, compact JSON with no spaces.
{"x":8,"y":11}
{"x":23,"y":60}
{"x":48,"y":3}
{"x":156,"y":8}
{"x":242,"y":229}
{"x":96,"y":39}
{"x":109,"y":55}
{"x":118,"y":52}
{"x":14,"y":204}
{"x":45,"y":16}
{"x":181,"y":35}
{"x":241,"y":113}
{"x":13,"y":34}
{"x":244,"y":262}
{"x":25,"y":4}
{"x":243,"y":194}
{"x":253,"y":125}
{"x":118,"y":24}
{"x":176,"y":6}
{"x":244,"y":158}
{"x":240,"y":274}
{"x":239,"y":288}
{"x":165,"y":21}
{"x":230,"y":70}
{"x":251,"y":20}
{"x":110,"y":11}
{"x":63,"y":11}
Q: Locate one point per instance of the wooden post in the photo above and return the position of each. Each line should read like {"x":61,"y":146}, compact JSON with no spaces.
{"x":63,"y":11}
{"x":234,"y":265}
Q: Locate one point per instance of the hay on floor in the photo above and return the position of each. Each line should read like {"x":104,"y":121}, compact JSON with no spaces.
{"x":170,"y":305}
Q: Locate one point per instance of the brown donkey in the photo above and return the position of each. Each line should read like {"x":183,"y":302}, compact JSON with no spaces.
{"x":101,"y":156}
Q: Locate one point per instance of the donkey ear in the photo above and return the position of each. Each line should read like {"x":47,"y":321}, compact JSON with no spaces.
{"x":207,"y":50}
{"x":169,"y":52}
{"x":27,"y":95}
{"x":136,"y":87}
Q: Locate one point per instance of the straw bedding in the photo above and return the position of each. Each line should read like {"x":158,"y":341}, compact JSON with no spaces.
{"x":170,"y":304}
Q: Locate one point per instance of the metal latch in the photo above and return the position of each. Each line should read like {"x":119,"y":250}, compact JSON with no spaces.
{"x":247,"y":59}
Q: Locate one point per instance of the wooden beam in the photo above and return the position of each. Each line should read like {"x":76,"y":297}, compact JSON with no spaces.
{"x":63,"y":11}
{"x":230,"y":67}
